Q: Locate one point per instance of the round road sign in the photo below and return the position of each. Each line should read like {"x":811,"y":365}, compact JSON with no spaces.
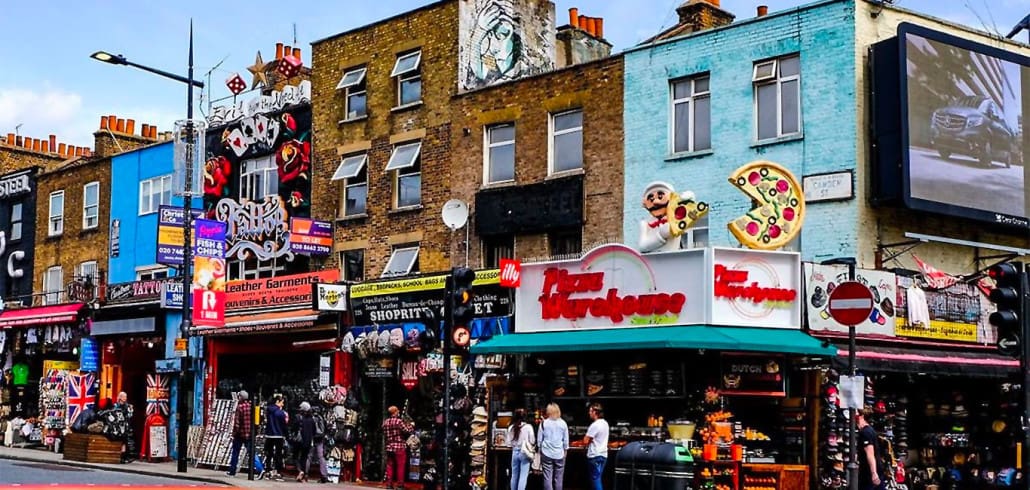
{"x":851,"y":303}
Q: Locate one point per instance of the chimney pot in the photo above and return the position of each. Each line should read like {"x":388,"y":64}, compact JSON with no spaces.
{"x":87,"y":152}
{"x":296,"y":53}
{"x":78,"y":151}
{"x":600,"y":27}
{"x":112,"y":121}
{"x":582,"y":24}
{"x":53,"y":142}
{"x":11,"y":139}
{"x":130,"y":126}
{"x":153,"y":132}
{"x":593,"y":26}
{"x":714,"y":2}
{"x":278,"y":50}
{"x":145,"y":131}
{"x":18,"y":141}
{"x":103,"y":122}
{"x":287,"y":50}
{"x":62,"y":149}
{"x":120,"y":127}
{"x":763,"y":10}
{"x":45,"y":147}
{"x":574,"y":17}
{"x":36,"y":146}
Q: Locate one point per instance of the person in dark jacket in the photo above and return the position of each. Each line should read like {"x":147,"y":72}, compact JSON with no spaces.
{"x":241,"y":426}
{"x":312,"y":432}
{"x":276,"y":423}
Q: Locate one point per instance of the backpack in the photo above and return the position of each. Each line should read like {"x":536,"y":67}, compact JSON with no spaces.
{"x":319,"y":427}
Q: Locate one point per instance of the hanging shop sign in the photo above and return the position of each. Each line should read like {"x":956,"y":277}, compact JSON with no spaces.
{"x":329,"y":297}
{"x":171,"y":294}
{"x":89,"y":355}
{"x":209,"y":275}
{"x":820,"y":281}
{"x":747,"y":374}
{"x":422,"y":299}
{"x":275,"y":293}
{"x":957,"y":313}
{"x":756,"y":288}
{"x":325,"y":362}
{"x":116,"y":238}
{"x":311,"y":237}
{"x":170,"y":237}
{"x":51,"y":365}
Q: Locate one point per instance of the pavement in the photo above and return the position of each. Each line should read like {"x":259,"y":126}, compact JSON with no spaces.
{"x":164,"y":472}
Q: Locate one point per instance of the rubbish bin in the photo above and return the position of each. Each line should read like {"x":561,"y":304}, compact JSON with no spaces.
{"x":654,"y":466}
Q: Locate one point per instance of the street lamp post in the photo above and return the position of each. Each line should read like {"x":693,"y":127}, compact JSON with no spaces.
{"x":185,"y":373}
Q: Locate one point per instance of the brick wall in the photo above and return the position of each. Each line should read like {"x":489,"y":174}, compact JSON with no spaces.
{"x":823,"y":34}
{"x":596,"y":88}
{"x":434,"y":30}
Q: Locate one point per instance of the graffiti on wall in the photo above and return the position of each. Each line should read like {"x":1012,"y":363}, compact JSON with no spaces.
{"x":256,"y":177}
{"x":503,"y":40}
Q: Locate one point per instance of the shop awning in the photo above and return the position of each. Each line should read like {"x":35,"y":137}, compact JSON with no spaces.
{"x":264,"y":322}
{"x":981,"y":363}
{"x":43,"y":315}
{"x":677,"y":337}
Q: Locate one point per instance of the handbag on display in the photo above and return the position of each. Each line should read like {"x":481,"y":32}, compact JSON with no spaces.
{"x":528,"y":448}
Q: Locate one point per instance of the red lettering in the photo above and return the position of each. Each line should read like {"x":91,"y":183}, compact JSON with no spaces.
{"x":629,"y":305}
{"x":558,"y":305}
{"x":722,"y":274}
{"x":676,"y":302}
{"x":561,"y":281}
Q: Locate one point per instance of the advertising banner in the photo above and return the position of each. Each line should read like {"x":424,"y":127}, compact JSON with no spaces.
{"x":282,"y":293}
{"x":170,"y":234}
{"x":209,"y":275}
{"x":171,"y":295}
{"x":89,"y":355}
{"x":820,"y":280}
{"x":420,"y":299}
{"x":957,"y":313}
{"x":756,"y":288}
{"x":311,"y":237}
{"x":749,"y":374}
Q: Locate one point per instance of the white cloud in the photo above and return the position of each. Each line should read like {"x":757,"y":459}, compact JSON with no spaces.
{"x":39,"y":111}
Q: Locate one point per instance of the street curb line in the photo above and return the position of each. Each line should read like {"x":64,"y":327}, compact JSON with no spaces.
{"x":93,"y":466}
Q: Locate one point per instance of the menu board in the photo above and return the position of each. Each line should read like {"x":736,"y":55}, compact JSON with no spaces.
{"x":749,"y":374}
{"x":158,"y":442}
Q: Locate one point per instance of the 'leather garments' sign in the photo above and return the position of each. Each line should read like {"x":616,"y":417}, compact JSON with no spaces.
{"x":418,"y":300}
{"x":747,"y":374}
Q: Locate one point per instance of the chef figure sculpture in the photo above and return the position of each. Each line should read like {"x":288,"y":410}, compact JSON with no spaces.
{"x":671,"y":215}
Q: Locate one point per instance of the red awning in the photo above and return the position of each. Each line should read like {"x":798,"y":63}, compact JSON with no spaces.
{"x":977,"y":363}
{"x":43,"y":315}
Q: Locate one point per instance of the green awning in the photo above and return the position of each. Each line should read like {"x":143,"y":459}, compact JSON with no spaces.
{"x":679,"y":337}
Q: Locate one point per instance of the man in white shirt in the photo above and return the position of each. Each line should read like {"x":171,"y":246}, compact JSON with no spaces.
{"x":597,"y":446}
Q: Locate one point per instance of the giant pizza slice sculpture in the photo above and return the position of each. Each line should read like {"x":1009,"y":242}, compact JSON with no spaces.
{"x":778,"y":206}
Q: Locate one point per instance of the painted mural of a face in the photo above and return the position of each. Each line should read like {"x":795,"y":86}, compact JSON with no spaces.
{"x":497,"y":43}
{"x":656,"y":200}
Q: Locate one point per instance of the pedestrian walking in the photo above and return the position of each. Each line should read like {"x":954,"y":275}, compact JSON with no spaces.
{"x":553,"y":443}
{"x":870,"y":457}
{"x":276,"y":423}
{"x":523,"y":448}
{"x":129,"y":446}
{"x":395,"y":429}
{"x":597,"y":446}
{"x":241,"y":427}
{"x":306,"y":429}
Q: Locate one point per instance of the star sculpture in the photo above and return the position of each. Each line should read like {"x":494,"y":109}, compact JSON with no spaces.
{"x":258,"y":70}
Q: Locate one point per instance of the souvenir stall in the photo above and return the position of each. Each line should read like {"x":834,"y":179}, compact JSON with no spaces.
{"x":943,"y":399}
{"x":722,"y":368}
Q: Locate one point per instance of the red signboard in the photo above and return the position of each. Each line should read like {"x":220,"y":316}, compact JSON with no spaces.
{"x":208,"y":308}
{"x":511,"y":273}
{"x":851,"y":303}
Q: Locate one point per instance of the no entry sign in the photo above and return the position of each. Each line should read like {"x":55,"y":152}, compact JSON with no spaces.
{"x":851,"y":303}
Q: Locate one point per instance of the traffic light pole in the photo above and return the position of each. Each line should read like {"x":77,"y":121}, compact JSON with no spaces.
{"x":1024,"y":364}
{"x":445,"y":342}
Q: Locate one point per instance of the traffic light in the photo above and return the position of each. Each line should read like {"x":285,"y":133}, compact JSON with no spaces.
{"x":461,"y":311}
{"x":1007,"y":296}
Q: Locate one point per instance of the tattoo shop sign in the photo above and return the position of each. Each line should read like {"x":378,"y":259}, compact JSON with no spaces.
{"x":419,"y":299}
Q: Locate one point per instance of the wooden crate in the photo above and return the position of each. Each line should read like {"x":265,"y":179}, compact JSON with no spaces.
{"x":92,"y":448}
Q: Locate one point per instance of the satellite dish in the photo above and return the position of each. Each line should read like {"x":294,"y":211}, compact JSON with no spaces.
{"x":455,"y":214}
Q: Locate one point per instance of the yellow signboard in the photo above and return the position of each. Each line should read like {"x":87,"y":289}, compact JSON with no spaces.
{"x":418,"y":284}
{"x":938,"y":330}
{"x":60,"y":366}
{"x":181,"y":344}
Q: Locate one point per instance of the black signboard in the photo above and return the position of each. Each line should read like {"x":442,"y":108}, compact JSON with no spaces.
{"x":380,"y":368}
{"x":137,"y":291}
{"x":533,"y":208}
{"x":417,"y":300}
{"x":750,"y":374}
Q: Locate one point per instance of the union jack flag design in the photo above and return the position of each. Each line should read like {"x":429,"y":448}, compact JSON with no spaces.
{"x":82,"y":394}
{"x":158,"y":393}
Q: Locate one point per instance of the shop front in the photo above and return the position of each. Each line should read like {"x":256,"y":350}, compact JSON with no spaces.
{"x":940,"y":392}
{"x":700,"y":349}
{"x":395,"y":341}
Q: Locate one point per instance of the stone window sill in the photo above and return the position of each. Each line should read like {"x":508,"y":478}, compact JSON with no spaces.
{"x":687,"y":155}
{"x":776,"y":141}
{"x":405,"y":107}
{"x":351,"y":217}
{"x":352,"y":120}
{"x":566,"y":173}
{"x":406,"y":209}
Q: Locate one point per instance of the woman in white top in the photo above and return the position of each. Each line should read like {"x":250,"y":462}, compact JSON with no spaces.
{"x":520,"y":435}
{"x":553,"y":442}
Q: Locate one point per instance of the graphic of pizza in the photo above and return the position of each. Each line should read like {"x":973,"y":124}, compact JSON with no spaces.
{"x":778,"y":206}
{"x":684,"y":212}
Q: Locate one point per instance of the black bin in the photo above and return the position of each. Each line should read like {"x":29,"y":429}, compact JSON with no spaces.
{"x":653,"y":466}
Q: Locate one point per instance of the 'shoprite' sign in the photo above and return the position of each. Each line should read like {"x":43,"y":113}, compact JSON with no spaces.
{"x":420,"y":299}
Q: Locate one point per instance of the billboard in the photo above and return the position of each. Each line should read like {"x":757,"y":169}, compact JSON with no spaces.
{"x":963,"y":148}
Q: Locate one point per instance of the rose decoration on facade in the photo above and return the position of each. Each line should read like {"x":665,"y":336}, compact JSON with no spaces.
{"x":293,"y":160}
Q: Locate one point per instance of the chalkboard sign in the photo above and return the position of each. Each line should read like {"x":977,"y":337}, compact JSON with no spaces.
{"x":158,"y":442}
{"x":380,"y":368}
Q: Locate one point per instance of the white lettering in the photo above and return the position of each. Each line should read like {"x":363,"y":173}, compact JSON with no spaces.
{"x":13,"y":186}
{"x":258,"y":229}
{"x":262,"y":104}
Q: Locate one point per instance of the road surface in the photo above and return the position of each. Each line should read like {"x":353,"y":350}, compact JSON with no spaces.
{"x":24,"y":473}
{"x":962,"y":181}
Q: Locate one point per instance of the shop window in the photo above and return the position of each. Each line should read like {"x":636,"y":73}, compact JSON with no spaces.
{"x":566,"y":152}
{"x":153,"y":193}
{"x":565,"y":242}
{"x":409,"y":78}
{"x":777,"y":87}
{"x":500,"y":153}
{"x":53,"y":286}
{"x":151,"y":273}
{"x":691,"y":115}
{"x":90,"y":205}
{"x":253,"y":269}
{"x":352,"y":265}
{"x":697,"y":235}
{"x":17,"y":220}
{"x":259,"y":178}
{"x":406,"y":163}
{"x":352,"y":171}
{"x":403,"y":261}
{"x":355,"y":93}
{"x":496,"y":248}
{"x":56,"y":224}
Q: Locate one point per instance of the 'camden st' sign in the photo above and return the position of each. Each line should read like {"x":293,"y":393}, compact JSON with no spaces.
{"x":417,"y":300}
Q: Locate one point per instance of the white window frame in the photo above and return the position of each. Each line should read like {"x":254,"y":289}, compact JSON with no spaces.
{"x":265,"y":168}
{"x":353,"y":88}
{"x":149,"y":273}
{"x":240,"y":270}
{"x":147,"y":203}
{"x":88,"y":268}
{"x":19,"y":223}
{"x":407,"y":75}
{"x":773,"y":77}
{"x":401,"y":168}
{"x":350,"y":166}
{"x":401,"y":269}
{"x":349,"y":175}
{"x":489,"y":145}
{"x":552,"y":135}
{"x":86,"y":207}
{"x":53,"y":294}
{"x":396,"y":163}
{"x":689,"y":239}
{"x":55,"y":225}
{"x":690,"y":99}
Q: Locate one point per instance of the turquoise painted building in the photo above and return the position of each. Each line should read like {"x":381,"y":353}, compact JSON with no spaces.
{"x":779,"y":88}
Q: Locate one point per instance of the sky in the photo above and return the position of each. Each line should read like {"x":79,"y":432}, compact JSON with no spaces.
{"x":60,"y":90}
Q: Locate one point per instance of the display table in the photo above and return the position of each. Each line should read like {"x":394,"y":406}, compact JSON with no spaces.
{"x":92,"y":448}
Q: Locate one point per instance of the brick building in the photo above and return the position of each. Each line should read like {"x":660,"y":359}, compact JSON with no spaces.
{"x":541,"y":159}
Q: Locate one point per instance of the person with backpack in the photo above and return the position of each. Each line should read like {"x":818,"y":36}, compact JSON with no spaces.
{"x":276,"y":420}
{"x":310,"y":433}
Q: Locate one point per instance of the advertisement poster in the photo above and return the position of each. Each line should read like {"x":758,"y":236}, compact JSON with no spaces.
{"x":282,"y":292}
{"x":89,"y":355}
{"x":748,"y":374}
{"x":958,"y":313}
{"x":311,"y":237}
{"x":820,"y":280}
{"x":418,"y":299}
{"x":158,"y":394}
{"x":209,"y":274}
{"x":169,"y":234}
{"x":965,"y":103}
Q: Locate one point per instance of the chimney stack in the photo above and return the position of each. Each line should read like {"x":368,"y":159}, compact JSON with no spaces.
{"x":296,"y":53}
{"x":574,"y":17}
{"x":700,"y":15}
{"x":763,"y":10}
{"x":278,"y":51}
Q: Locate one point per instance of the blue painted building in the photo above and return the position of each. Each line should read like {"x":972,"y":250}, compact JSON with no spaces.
{"x":779,"y":87}
{"x":142,"y":181}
